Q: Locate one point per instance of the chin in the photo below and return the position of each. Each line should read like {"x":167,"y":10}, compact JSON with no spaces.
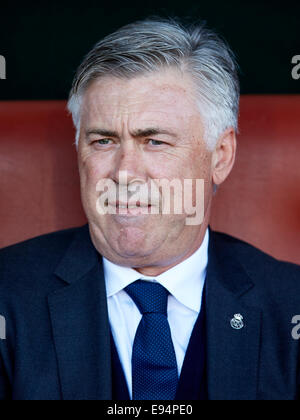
{"x":134,"y":244}
{"x":131,"y":241}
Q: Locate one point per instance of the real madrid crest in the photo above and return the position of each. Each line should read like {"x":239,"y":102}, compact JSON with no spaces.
{"x":237,"y":322}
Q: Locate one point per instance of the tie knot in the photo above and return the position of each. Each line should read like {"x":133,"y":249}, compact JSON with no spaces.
{"x":148,"y":296}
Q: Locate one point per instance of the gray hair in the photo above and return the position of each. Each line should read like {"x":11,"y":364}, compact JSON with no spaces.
{"x":152,"y":44}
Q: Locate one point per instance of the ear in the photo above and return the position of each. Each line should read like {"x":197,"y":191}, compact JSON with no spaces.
{"x":224,"y":156}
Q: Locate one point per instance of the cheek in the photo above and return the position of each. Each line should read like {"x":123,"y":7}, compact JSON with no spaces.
{"x":91,"y":170}
{"x":200,"y":161}
{"x":201,"y":169}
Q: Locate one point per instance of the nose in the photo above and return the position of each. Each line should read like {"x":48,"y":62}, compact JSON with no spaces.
{"x":128,"y":161}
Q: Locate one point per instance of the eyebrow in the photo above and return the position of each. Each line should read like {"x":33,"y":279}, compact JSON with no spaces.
{"x":151,"y":131}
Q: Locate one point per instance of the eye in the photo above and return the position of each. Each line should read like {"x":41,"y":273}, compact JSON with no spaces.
{"x":156,"y":142}
{"x":102,"y":142}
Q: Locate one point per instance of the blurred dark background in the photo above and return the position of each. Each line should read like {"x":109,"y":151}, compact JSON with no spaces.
{"x":43,"y":42}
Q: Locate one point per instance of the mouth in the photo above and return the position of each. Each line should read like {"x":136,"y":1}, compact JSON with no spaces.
{"x":129,"y":208}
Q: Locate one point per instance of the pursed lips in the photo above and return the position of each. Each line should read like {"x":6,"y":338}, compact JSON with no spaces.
{"x":121,"y":204}
{"x":130,"y":208}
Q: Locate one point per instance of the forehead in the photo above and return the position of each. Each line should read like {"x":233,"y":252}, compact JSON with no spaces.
{"x":166,"y":96}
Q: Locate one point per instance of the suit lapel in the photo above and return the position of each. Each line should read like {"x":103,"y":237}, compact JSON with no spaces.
{"x":232,"y":355}
{"x":80,"y":323}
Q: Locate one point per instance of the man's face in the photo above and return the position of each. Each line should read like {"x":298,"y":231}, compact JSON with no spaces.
{"x":149,"y":126}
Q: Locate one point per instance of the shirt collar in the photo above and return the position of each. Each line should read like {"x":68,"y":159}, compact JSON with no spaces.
{"x":185,"y":281}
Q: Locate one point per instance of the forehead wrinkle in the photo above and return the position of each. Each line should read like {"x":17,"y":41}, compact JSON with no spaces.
{"x":128,"y":96}
{"x":135,"y":124}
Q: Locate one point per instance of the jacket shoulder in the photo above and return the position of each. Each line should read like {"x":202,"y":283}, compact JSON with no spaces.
{"x":263,"y":269}
{"x":33,"y":258}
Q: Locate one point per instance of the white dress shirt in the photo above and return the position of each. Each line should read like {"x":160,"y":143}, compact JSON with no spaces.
{"x":185,"y":284}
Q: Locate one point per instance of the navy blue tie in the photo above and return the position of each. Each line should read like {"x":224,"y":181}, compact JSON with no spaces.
{"x":154,"y":367}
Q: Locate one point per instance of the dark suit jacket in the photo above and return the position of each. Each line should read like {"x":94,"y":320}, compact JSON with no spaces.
{"x":52,"y":294}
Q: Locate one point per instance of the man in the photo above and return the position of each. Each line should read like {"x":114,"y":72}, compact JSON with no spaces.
{"x":146,"y":302}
